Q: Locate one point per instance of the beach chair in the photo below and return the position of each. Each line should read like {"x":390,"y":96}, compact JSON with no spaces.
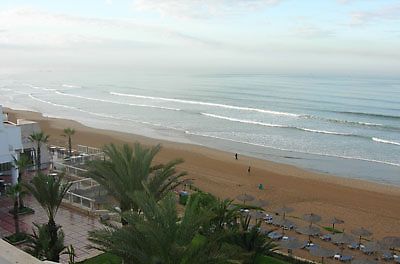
{"x":326,"y":237}
{"x":275,"y":235}
{"x":387,"y":256}
{"x":346,"y":258}
{"x":353,"y":245}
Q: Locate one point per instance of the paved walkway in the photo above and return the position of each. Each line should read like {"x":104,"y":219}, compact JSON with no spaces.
{"x":74,"y":224}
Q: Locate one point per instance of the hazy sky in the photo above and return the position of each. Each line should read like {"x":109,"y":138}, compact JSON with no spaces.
{"x":264,"y":36}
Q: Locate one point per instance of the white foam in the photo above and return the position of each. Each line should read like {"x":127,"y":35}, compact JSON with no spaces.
{"x":116,"y":102}
{"x":101,"y":115}
{"x":40,"y":88}
{"x":242,"y":120}
{"x":385,"y":141}
{"x":297,"y":151}
{"x":325,"y":132}
{"x":207,"y":104}
{"x":71,"y":86}
{"x":274,"y":125}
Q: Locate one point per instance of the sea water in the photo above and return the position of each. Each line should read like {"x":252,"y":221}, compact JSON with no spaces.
{"x":348,"y":126}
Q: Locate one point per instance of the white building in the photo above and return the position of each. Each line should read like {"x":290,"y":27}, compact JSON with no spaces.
{"x":10,"y":146}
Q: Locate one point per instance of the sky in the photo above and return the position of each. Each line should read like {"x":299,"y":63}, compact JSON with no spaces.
{"x":341,"y":37}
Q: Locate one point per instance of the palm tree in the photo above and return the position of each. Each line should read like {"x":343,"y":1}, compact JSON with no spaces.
{"x":15,"y":192}
{"x":39,"y":138}
{"x":22,"y":165}
{"x":127,"y":170}
{"x":49,"y":192}
{"x":39,"y":243}
{"x":69,"y":132}
{"x":158,"y":235}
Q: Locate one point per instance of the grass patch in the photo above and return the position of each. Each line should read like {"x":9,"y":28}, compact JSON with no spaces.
{"x":23,"y":211}
{"x":269,"y":260}
{"x":330,"y":229}
{"x":105,"y":258}
{"x":16,"y":239}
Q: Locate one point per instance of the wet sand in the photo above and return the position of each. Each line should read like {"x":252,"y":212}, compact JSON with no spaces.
{"x":359,"y":203}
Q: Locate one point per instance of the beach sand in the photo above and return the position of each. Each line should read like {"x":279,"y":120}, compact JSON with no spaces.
{"x":359,"y":203}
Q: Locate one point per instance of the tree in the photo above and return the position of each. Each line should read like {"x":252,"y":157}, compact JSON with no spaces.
{"x":15,"y":192}
{"x":49,"y":192}
{"x":69,"y":132}
{"x":22,"y":164}
{"x":158,"y":235}
{"x":126,"y":170}
{"x":39,"y":138}
{"x":40,"y":244}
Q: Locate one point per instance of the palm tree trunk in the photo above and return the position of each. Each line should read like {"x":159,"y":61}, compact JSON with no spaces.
{"x":70,"y":146}
{"x":16,"y":218}
{"x":54,"y":256}
{"x":20,"y":200}
{"x":38,"y":159}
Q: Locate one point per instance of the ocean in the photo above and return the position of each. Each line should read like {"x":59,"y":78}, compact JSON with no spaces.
{"x":344,"y":126}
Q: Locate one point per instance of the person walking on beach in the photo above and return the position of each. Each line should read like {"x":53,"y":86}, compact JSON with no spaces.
{"x":248,"y":170}
{"x":236,"y":156}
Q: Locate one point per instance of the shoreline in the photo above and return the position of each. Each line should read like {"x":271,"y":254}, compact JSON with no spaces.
{"x":358,"y":202}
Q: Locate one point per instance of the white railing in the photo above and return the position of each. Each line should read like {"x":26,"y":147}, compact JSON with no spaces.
{"x":68,"y":168}
{"x":82,"y":201}
{"x":83,"y":184}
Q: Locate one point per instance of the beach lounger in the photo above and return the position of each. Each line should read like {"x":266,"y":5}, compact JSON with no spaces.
{"x":309,"y":246}
{"x":275,"y":235}
{"x":346,"y":258}
{"x":387,"y":256}
{"x":353,"y":245}
{"x":326,"y":237}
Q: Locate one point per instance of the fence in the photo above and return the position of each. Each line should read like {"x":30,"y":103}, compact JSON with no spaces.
{"x":80,"y":201}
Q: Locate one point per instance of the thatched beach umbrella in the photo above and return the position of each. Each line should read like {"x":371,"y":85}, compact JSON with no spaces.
{"x":284,"y":210}
{"x":341,"y":239}
{"x":364,"y":261}
{"x":374,"y":246}
{"x":361,"y":232}
{"x":245,"y":198}
{"x":335,"y":221}
{"x":291,"y":244}
{"x":391,"y":242}
{"x":187,"y":182}
{"x":309,"y":231}
{"x":284,"y":223}
{"x":311,"y":218}
{"x":257,"y":215}
{"x":260,"y":203}
{"x":322,"y":253}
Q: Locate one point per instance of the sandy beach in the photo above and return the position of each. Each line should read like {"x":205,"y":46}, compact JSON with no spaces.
{"x":359,"y":203}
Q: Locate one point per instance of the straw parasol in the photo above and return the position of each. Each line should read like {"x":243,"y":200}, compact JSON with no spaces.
{"x":284,"y":223}
{"x":335,"y":221}
{"x":245,"y":198}
{"x":187,"y":182}
{"x":391,"y":242}
{"x":284,"y":210}
{"x":309,"y":231}
{"x":291,"y":244}
{"x":341,"y":239}
{"x":374,"y":246}
{"x":257,"y":215}
{"x":361,"y":232}
{"x":322,"y":252}
{"x":311,"y":218}
{"x":260,"y":203}
{"x":364,"y":261}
